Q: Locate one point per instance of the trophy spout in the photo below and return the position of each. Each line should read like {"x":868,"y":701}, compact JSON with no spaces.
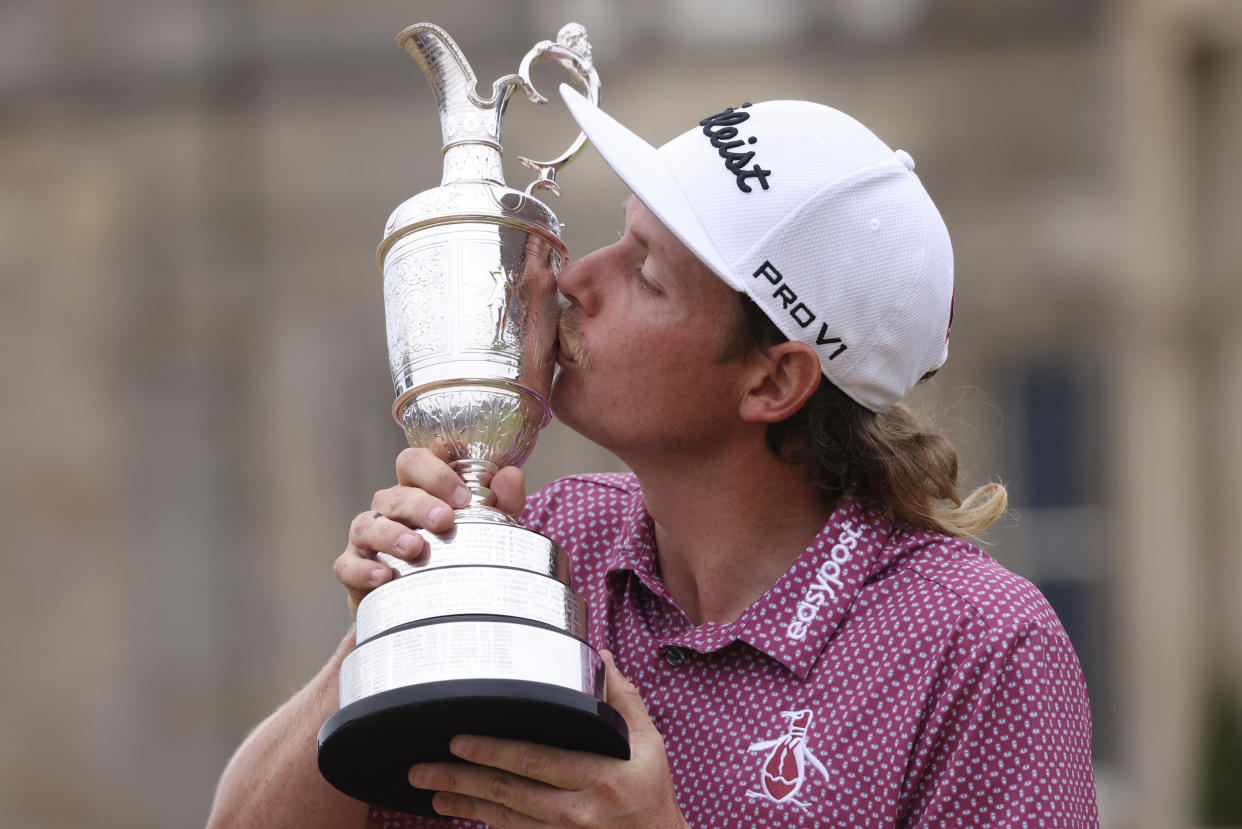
{"x":470,"y":125}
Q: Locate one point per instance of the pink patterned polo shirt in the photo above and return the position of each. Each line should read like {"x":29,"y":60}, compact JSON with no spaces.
{"x":891,"y":678}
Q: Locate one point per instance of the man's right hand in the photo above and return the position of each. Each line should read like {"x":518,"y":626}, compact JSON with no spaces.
{"x":426,"y":493}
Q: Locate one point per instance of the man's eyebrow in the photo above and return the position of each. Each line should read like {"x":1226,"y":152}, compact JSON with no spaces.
{"x":638,"y":237}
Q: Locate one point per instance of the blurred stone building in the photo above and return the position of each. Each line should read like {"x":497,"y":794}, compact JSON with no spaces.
{"x":196,"y":391}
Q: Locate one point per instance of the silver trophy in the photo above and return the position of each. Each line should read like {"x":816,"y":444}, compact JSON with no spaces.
{"x":481,"y":635}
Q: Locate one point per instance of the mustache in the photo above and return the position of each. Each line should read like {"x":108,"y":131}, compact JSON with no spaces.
{"x":570,"y":334}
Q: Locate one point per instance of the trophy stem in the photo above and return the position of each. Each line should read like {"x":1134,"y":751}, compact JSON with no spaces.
{"x":478,"y":474}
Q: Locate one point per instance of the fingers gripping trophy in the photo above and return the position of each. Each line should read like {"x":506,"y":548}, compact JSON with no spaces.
{"x":481,"y":635}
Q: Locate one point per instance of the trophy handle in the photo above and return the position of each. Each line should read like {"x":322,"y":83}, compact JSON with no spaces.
{"x":572,"y":51}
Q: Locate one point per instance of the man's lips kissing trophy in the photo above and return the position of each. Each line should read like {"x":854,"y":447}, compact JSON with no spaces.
{"x":481,"y":635}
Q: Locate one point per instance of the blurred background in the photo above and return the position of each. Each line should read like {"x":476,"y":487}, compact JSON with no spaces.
{"x":195,"y":384}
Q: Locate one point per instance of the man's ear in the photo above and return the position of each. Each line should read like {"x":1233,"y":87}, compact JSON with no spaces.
{"x":784,"y":376}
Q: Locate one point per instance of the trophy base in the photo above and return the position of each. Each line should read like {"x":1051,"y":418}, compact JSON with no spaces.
{"x":366,"y":748}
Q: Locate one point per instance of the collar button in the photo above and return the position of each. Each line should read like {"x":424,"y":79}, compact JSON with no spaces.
{"x":673,"y":655}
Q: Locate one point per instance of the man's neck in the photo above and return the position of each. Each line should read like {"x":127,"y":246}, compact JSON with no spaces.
{"x":729,"y":526}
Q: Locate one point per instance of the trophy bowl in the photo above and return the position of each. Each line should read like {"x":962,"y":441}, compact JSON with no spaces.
{"x":481,"y":634}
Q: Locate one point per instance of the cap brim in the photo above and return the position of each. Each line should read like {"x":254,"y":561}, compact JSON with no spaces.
{"x":644,"y":171}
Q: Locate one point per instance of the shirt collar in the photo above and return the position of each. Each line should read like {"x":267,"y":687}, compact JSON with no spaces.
{"x":634,"y":551}
{"x":795,"y":619}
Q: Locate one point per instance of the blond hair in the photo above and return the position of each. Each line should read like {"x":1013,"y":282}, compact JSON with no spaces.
{"x":911,"y":474}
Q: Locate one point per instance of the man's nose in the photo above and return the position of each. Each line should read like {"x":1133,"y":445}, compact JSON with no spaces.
{"x":579,"y":281}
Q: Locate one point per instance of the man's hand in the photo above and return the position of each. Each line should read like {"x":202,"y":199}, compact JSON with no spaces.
{"x":516,"y":785}
{"x":426,"y":493}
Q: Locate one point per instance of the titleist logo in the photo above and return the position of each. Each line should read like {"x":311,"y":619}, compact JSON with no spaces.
{"x":721,"y":130}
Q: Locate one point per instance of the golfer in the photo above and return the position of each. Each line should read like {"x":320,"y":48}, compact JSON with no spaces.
{"x":797,"y":628}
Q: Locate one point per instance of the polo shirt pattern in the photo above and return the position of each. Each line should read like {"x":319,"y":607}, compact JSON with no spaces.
{"x":891,"y":678}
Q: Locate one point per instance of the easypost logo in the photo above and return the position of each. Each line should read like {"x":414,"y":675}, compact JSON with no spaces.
{"x":827,"y":582}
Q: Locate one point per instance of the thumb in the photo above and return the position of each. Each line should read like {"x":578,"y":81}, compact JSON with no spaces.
{"x":621,"y":694}
{"x":508,"y":487}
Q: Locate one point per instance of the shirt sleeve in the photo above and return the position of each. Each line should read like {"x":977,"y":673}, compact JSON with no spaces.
{"x":1009,"y":740}
{"x":385,"y":819}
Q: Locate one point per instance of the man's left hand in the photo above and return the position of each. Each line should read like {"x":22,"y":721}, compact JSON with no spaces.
{"x":515,"y":785}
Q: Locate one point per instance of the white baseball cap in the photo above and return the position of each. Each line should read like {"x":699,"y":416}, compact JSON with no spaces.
{"x":806,"y":211}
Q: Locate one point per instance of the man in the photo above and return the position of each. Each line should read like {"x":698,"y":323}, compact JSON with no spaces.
{"x":782,"y":578}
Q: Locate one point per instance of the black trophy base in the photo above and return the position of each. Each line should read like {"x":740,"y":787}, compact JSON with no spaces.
{"x":366,"y":749}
